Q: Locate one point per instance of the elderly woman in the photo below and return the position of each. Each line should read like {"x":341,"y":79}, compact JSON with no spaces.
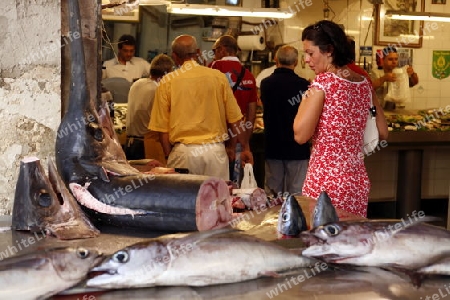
{"x":333,"y":112}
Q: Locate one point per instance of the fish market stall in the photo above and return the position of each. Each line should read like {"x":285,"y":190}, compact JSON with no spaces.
{"x":95,"y":227}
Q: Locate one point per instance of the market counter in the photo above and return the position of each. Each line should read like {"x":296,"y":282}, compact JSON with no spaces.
{"x":410,"y":146}
{"x":419,"y":138}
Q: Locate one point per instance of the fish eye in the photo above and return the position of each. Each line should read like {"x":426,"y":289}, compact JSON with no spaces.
{"x":82,"y":253}
{"x":121,"y":256}
{"x":286,"y":217}
{"x":331,"y":230}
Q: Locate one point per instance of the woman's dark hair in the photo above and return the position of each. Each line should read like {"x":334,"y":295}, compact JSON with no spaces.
{"x":330,"y":37}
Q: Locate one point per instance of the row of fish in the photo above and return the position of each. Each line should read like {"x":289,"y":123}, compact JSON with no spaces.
{"x":203,"y":258}
{"x":412,"y":247}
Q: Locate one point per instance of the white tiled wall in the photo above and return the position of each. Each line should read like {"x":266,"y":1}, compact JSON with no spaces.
{"x":356,"y":18}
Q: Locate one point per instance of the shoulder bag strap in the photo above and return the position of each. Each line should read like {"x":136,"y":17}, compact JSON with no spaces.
{"x":239,"y":79}
{"x":372,"y":108}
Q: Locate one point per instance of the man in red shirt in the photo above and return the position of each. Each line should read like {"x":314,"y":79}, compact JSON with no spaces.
{"x":243,"y":84}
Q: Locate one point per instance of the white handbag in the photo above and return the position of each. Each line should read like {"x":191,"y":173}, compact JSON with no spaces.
{"x":371,"y":136}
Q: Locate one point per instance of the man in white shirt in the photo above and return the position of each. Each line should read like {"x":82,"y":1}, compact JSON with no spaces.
{"x":139,"y":109}
{"x":381,"y":76}
{"x":126,"y":65}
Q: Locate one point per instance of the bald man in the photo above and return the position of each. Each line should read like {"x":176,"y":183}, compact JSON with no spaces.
{"x":192,"y":107}
{"x":281,"y":93}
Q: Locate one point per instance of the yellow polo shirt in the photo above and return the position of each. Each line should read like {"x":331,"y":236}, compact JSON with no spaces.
{"x":193,"y":104}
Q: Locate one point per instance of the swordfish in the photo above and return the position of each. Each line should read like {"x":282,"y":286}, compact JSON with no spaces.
{"x":92,"y":163}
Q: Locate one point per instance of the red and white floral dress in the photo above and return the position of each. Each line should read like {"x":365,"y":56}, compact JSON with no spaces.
{"x":336,"y":164}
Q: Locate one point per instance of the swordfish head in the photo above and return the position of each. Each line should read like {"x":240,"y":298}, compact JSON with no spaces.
{"x":86,"y":144}
{"x":44,"y":203}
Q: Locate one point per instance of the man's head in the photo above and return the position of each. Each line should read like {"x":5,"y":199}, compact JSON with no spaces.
{"x":226,"y":45}
{"x":184,"y":47}
{"x":287,"y":56}
{"x":390,"y":59}
{"x":127,"y":47}
{"x":161,"y":65}
{"x":275,"y":50}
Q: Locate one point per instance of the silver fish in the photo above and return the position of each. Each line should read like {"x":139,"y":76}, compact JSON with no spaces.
{"x":195,"y":259}
{"x":39,"y":275}
{"x":324,"y":212}
{"x":398,"y":244}
{"x":291,"y":220}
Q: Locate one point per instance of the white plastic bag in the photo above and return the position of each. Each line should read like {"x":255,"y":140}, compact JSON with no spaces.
{"x":248,"y":180}
{"x":398,"y":91}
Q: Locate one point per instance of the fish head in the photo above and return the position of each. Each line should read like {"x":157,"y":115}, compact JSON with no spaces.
{"x":73,"y":264}
{"x":138,"y":265}
{"x":338,"y":241}
{"x":291,"y":220}
{"x":43,"y":203}
{"x":324,"y":211}
{"x":34,"y":199}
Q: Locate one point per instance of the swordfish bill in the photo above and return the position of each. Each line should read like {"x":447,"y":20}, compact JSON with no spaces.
{"x":92,"y":163}
{"x":83,"y":147}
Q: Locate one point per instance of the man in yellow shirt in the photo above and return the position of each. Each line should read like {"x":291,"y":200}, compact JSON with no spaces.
{"x":192,"y":107}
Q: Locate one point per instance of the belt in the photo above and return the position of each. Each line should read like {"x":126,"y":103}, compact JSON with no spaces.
{"x":131,"y":138}
{"x":198,"y":145}
{"x":135,"y":137}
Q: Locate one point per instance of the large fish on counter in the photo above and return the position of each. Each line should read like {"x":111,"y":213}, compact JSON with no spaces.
{"x":44,"y":204}
{"x":92,"y":163}
{"x":412,"y":247}
{"x":195,"y":259}
{"x":44,"y":273}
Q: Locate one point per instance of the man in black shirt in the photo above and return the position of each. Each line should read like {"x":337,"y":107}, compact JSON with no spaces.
{"x":281,"y":94}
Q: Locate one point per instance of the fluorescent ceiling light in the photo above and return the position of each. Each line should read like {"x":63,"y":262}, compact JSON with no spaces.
{"x":228,"y":11}
{"x":420,"y":16}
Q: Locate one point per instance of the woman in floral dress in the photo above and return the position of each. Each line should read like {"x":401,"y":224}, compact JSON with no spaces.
{"x":333,"y":113}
